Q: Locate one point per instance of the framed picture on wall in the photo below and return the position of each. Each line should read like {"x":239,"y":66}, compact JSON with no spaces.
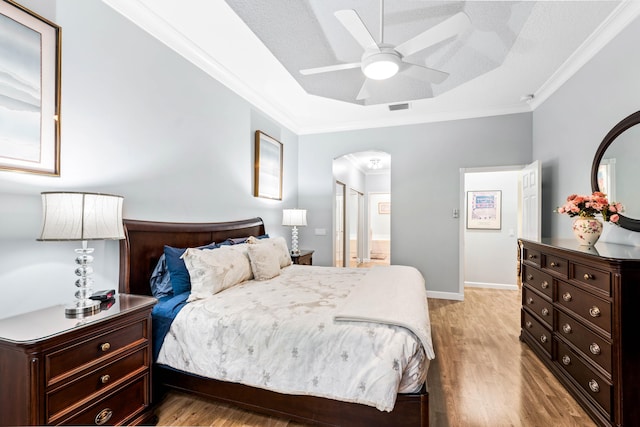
{"x":484,"y":210}
{"x":384,"y":208}
{"x":267,"y":167}
{"x":30,"y":91}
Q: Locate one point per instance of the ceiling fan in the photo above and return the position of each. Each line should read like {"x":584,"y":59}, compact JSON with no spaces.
{"x":381,"y":61}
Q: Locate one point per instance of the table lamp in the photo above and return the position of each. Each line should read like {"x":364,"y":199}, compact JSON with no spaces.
{"x":294,"y":218}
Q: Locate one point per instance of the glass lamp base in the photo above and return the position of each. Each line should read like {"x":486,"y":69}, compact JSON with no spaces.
{"x":82,"y":308}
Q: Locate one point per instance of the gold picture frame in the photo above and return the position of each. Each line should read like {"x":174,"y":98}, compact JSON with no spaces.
{"x":267,"y":167}
{"x":30,"y":100}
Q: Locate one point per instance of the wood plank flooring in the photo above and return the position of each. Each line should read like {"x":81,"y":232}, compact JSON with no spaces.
{"x":482,"y":375}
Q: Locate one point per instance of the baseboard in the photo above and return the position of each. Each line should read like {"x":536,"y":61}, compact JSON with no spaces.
{"x":502,"y":286}
{"x":445,"y":295}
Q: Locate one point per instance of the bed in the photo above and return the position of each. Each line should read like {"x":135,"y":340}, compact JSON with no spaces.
{"x":139,"y":254}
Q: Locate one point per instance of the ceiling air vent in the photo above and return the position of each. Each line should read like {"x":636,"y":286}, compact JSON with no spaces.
{"x":396,"y":107}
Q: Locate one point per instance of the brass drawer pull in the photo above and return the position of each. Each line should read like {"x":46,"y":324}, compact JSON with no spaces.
{"x":103,"y":416}
{"x":529,"y":300}
{"x":594,"y":311}
{"x":566,"y":360}
{"x":545,"y":311}
{"x":566,"y":328}
{"x":594,"y":348}
{"x":553,"y":264}
{"x":566,"y":296}
{"x":105,"y":378}
{"x":587,"y":276}
{"x":594,"y":386}
{"x":543,"y":338}
{"x":528,"y":324}
{"x":531,"y":256}
{"x":529,"y":276}
{"x":105,"y":346}
{"x":544,"y":284}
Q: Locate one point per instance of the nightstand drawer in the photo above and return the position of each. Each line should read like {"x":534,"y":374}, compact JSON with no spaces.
{"x":104,"y":378}
{"x":592,"y":309}
{"x":74,"y":358}
{"x":120,"y":405}
{"x":586,"y":341}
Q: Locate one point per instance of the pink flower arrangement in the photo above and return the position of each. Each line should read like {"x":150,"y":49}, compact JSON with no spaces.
{"x":589,"y":206}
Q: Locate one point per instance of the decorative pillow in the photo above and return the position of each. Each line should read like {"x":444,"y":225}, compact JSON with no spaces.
{"x":213,"y":270}
{"x":177,"y":270}
{"x":278,"y":245}
{"x":161,"y":279}
{"x":240,"y":240}
{"x":265,"y":262}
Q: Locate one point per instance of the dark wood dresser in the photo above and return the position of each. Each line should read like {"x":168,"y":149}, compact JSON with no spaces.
{"x":90,"y":371}
{"x":581,"y":316}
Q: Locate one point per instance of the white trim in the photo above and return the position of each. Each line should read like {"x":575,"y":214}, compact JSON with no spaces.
{"x":445,"y":295}
{"x":502,"y":286}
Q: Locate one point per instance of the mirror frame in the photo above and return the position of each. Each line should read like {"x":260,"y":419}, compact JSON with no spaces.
{"x":629,"y":121}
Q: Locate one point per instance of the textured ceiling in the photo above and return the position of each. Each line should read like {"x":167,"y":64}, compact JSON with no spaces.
{"x":257,"y":47}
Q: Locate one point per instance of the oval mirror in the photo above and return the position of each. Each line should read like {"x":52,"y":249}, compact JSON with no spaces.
{"x":615,"y":170}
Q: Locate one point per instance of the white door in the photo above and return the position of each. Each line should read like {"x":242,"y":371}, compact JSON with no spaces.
{"x":530,"y":202}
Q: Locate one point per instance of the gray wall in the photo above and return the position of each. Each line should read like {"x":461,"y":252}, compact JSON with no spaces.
{"x":569,"y":126}
{"x":140,"y":121}
{"x":425,"y":185}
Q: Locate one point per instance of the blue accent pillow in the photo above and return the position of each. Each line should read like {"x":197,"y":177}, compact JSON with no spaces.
{"x":180,"y":280}
{"x":161,"y":279}
{"x":240,"y":240}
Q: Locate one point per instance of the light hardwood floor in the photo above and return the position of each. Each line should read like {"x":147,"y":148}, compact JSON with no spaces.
{"x":482,"y":375}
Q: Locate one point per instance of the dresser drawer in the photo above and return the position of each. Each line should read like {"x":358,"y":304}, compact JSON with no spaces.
{"x":76,"y":357}
{"x":587,"y":306}
{"x":592,"y":277}
{"x":538,"y":280}
{"x":96,"y":381}
{"x":585,"y":340}
{"x":537,"y":331}
{"x":593,"y":384}
{"x":117,"y":407}
{"x":531,"y":255}
{"x":538,"y":305}
{"x":559,"y":266}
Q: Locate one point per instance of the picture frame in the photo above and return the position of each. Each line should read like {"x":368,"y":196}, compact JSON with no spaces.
{"x":384,"y":208}
{"x":30,"y":46}
{"x":267,"y":167}
{"x":484,"y":210}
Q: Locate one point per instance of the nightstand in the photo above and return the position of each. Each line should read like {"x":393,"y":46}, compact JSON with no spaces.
{"x":303,"y":258}
{"x":93,"y":370}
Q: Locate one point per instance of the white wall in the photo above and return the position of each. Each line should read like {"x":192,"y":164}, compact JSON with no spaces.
{"x":570,"y":125}
{"x":140,"y":121}
{"x":425,"y":185}
{"x":490,"y":255}
{"x":380,"y":224}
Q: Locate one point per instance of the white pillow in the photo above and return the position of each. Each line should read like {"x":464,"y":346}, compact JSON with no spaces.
{"x":213,"y":270}
{"x":265,"y":262}
{"x":278,"y":245}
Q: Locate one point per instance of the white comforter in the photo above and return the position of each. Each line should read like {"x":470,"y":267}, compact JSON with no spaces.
{"x":294,"y":345}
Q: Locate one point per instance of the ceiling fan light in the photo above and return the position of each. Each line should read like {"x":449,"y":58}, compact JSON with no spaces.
{"x":381,"y":66}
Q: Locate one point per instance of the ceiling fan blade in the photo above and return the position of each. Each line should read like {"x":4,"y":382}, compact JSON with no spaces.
{"x":364,"y":90}
{"x":426,"y":74}
{"x":448,"y":28}
{"x":328,"y":68}
{"x":352,"y":22}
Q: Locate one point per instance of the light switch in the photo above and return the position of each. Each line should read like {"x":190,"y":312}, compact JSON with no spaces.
{"x":321,"y":231}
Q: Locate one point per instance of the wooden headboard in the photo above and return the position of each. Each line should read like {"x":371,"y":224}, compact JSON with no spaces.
{"x":144,"y":243}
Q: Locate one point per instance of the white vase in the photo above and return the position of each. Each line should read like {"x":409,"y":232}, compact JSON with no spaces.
{"x":587,"y":230}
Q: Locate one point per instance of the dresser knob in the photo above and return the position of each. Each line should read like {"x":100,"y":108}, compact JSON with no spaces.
{"x":529,"y":300}
{"x":103,"y":416}
{"x":105,"y":378}
{"x":545,"y":311}
{"x":105,"y":346}
{"x":594,"y":311}
{"x":566,"y":328}
{"x":544,"y":284}
{"x":553,"y":264}
{"x":529,"y":276}
{"x":587,"y":276}
{"x":566,"y":296}
{"x":543,"y":338}
{"x":594,"y":386}
{"x":566,"y":360}
{"x":594,"y":348}
{"x":531,"y":256}
{"x":528,"y":324}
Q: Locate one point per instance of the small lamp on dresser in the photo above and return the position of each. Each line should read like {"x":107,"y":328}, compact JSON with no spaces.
{"x":83,"y":217}
{"x":294,"y":218}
